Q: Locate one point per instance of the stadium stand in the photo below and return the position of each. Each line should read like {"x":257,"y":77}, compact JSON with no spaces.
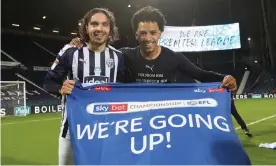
{"x":28,"y":54}
{"x":36,"y":54}
{"x":265,"y":83}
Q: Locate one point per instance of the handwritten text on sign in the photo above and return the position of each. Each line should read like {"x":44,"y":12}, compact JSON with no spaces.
{"x":201,"y":38}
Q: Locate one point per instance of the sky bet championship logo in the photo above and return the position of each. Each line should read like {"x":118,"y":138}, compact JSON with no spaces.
{"x":111,"y":108}
{"x":130,"y":107}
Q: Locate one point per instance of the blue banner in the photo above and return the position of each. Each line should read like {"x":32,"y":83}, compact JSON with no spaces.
{"x":153,"y":124}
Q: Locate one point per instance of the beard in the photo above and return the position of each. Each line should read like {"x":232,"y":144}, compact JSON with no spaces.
{"x":98,"y":39}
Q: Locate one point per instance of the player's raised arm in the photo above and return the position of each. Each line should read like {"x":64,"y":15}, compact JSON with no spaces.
{"x":187,"y":67}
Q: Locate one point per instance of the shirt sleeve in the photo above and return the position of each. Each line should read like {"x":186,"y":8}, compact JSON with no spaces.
{"x":185,"y":66}
{"x":121,"y":69}
{"x":126,"y":74}
{"x":57,"y":74}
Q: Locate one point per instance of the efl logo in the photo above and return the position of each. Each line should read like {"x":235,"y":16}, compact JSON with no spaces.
{"x":111,"y":108}
{"x":203,"y":102}
{"x":200,"y":102}
{"x":212,"y":90}
{"x":105,"y":88}
{"x":192,"y":103}
{"x":208,"y":102}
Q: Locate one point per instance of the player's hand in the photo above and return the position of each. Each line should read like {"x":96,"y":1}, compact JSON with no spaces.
{"x":76,"y":42}
{"x":229,"y":82}
{"x":67,"y":87}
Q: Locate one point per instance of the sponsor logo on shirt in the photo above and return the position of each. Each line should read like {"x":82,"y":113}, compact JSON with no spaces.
{"x":96,"y":79}
{"x":150,"y":67}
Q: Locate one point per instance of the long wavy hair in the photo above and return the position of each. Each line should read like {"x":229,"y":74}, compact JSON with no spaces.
{"x":114,"y":33}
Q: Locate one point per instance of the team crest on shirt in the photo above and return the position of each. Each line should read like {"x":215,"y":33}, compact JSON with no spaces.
{"x":110,"y":63}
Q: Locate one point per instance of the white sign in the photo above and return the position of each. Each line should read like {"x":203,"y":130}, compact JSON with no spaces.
{"x":201,"y":38}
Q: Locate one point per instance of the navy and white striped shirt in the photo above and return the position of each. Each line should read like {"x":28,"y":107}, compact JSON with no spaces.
{"x":86,"y":66}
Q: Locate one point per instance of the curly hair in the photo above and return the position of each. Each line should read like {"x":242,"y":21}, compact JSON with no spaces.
{"x":148,"y":14}
{"x":114,"y":33}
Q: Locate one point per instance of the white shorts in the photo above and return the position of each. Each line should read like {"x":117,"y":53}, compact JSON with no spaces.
{"x":65,"y":152}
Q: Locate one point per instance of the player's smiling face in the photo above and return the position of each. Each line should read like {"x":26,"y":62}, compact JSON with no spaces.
{"x":148,"y":34}
{"x":98,"y":28}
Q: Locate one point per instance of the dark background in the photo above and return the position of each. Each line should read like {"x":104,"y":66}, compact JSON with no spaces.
{"x":257,"y":20}
{"x":64,"y":15}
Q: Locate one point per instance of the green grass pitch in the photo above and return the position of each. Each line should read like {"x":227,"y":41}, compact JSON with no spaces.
{"x":33,"y":140}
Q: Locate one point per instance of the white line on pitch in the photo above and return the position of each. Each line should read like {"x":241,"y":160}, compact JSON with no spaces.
{"x":258,"y":121}
{"x":29,"y":121}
